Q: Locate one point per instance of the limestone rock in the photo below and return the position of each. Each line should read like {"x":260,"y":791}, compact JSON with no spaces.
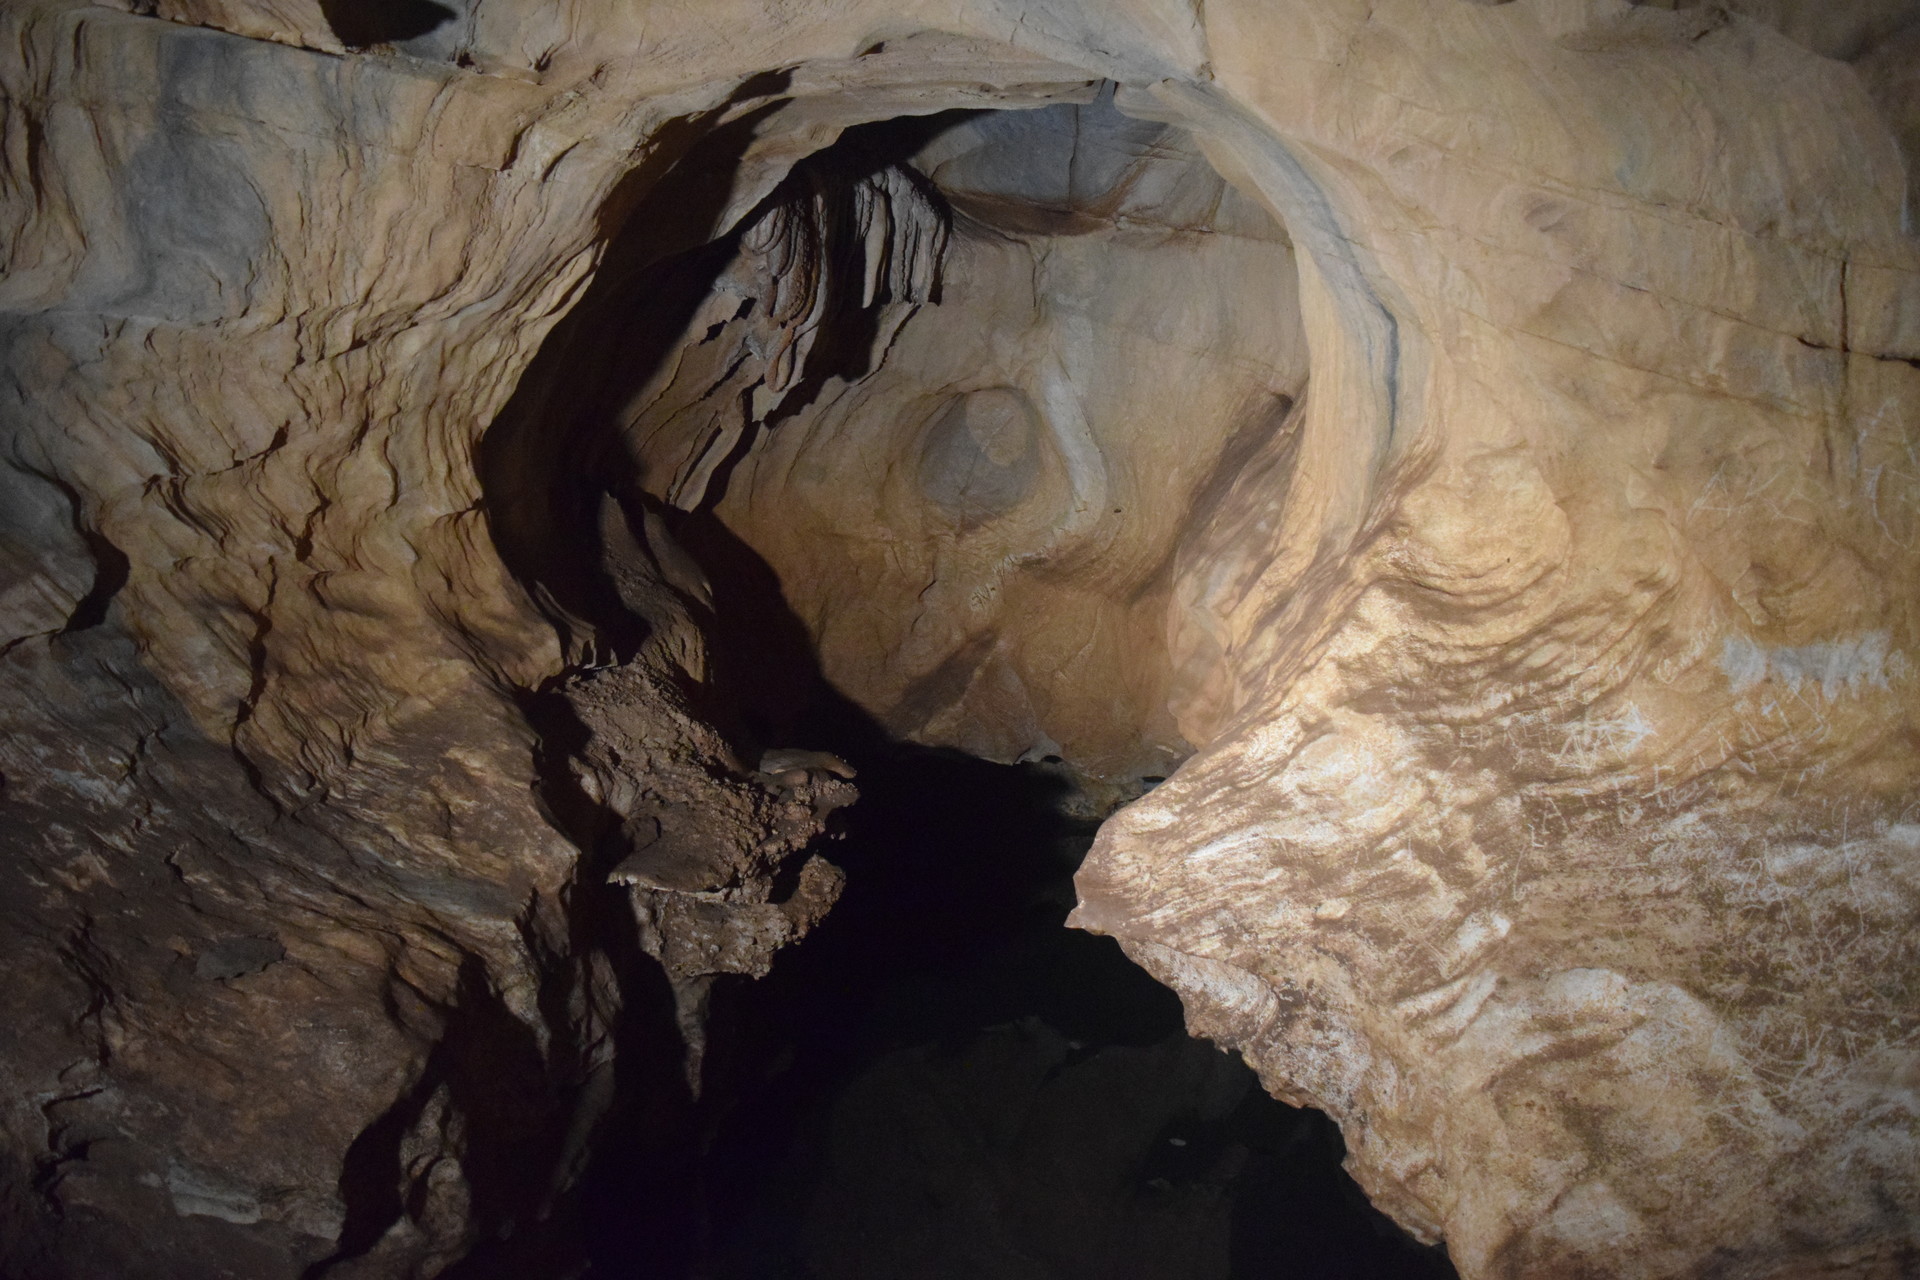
{"x":978,"y":528}
{"x":1471,"y":448}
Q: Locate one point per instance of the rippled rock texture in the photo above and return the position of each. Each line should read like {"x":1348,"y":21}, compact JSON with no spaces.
{"x":1468,"y":450}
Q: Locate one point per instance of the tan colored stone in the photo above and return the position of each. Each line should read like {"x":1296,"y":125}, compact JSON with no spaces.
{"x":1501,"y":478}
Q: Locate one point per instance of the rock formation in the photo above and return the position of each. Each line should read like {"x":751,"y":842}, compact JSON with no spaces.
{"x":1468,"y":450}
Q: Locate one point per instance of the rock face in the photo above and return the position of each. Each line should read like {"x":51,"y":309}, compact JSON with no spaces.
{"x":1471,"y":448}
{"x":976,"y":521}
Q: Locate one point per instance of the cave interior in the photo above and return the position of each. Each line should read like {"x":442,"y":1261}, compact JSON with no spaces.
{"x":885,"y":465}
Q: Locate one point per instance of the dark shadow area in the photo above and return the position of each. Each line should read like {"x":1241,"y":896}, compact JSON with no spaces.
{"x":110,"y":563}
{"x":555,"y":449}
{"x":360,"y":23}
{"x":945,"y":1082}
{"x":557,"y":445}
{"x":638,"y":1201}
{"x":490,"y":1073}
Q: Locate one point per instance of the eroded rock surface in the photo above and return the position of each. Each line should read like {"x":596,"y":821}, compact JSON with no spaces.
{"x":975,"y":514}
{"x":1478,"y":440}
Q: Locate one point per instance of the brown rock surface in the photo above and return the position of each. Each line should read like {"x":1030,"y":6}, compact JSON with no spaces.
{"x":1478,"y":440}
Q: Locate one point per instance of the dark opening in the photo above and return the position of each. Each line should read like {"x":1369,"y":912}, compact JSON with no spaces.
{"x":941,"y":1081}
{"x":944,"y":1083}
{"x":361,"y":24}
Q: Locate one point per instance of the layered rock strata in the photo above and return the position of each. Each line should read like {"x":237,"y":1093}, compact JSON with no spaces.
{"x":1495,"y":491}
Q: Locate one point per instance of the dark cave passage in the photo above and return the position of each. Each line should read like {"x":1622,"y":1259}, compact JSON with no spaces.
{"x":945,"y":1083}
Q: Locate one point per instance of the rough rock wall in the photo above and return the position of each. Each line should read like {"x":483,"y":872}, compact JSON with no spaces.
{"x":306,"y":927}
{"x":1550,"y":675}
{"x":1591,"y":825}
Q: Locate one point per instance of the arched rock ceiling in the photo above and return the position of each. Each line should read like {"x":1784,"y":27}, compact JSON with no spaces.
{"x":1551,"y":817}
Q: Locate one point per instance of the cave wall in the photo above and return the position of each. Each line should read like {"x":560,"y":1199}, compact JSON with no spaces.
{"x":972,"y":488}
{"x":1548,"y":671}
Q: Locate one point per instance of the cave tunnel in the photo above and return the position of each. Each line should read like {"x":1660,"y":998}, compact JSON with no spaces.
{"x":995,"y":638}
{"x":998,"y":638}
{"x":895,"y":471}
